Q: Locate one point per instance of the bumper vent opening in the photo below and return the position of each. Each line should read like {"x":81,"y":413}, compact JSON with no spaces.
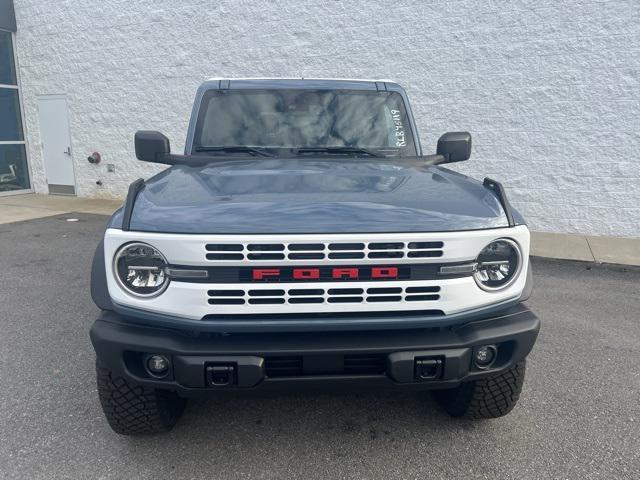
{"x":294,"y":366}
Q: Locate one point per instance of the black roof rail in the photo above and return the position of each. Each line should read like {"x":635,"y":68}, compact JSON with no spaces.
{"x":381,"y":86}
{"x":497,"y":188}
{"x":134,"y":189}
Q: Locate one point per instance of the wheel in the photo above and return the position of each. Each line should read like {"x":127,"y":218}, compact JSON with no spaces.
{"x":488,"y":397}
{"x":134,"y":409}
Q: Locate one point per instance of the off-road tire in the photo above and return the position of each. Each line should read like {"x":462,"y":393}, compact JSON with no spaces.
{"x":134,"y":409}
{"x":488,"y":397}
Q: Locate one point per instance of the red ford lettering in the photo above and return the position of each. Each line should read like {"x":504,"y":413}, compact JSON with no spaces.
{"x":306,"y":273}
{"x":326,"y":274}
{"x":342,"y":273}
{"x":384,"y":272}
{"x":264,"y":273}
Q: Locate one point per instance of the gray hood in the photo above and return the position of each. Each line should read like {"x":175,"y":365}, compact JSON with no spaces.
{"x":312,"y":196}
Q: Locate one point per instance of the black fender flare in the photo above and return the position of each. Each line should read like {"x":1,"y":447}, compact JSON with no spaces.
{"x":99,"y":289}
{"x":528,"y":286}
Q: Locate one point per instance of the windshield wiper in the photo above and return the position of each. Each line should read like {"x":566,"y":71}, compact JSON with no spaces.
{"x":339,"y":151}
{"x":257,"y":151}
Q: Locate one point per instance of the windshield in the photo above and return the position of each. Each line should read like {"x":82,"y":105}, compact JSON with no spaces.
{"x":288,"y":122}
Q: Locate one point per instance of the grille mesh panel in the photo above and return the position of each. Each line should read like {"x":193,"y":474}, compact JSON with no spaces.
{"x":298,"y":252}
{"x":257,"y":296}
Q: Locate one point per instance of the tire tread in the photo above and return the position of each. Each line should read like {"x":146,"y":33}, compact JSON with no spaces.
{"x":489,"y":397}
{"x":134,"y":409}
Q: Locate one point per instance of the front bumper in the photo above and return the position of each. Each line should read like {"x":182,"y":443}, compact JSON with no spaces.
{"x":267,"y":361}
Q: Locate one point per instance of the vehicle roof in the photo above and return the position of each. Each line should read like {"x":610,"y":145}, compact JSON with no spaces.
{"x":303,"y":78}
{"x":326,"y":83}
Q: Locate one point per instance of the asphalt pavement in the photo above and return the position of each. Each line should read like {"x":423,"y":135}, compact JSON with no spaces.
{"x":578,"y":417}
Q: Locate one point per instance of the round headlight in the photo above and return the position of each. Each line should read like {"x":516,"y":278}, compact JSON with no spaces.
{"x":498,"y":265}
{"x":141,"y":270}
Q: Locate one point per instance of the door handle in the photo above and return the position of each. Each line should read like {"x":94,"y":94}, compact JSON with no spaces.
{"x":68,"y":151}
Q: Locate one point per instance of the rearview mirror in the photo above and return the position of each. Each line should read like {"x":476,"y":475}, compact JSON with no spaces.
{"x":151,"y":146}
{"x":455,"y":146}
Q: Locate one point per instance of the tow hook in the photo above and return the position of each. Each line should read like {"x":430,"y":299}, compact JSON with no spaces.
{"x":428,"y":369}
{"x":221,"y":375}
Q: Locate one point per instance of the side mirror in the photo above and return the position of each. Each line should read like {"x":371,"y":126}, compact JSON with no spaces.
{"x":455,"y":146}
{"x":151,"y":146}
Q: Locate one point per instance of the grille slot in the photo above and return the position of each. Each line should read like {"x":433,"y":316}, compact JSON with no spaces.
{"x":222,"y":247}
{"x":346,"y":255}
{"x":425,"y":245}
{"x":226,"y":301}
{"x":295,"y":300}
{"x":421,"y":298}
{"x":266,"y":293}
{"x":225,"y":256}
{"x":346,"y":246}
{"x":345,"y":299}
{"x":327,"y":251}
{"x":266,"y":301}
{"x":425,"y":253}
{"x":226,"y":293}
{"x":306,"y":256}
{"x":266,"y":247}
{"x":346,"y":291}
{"x":384,"y":298}
{"x":306,"y":291}
{"x":422,"y":289}
{"x":266,"y":256}
{"x":399,"y":254}
{"x":386,"y":246}
{"x":307,"y":247}
{"x":384,"y":290}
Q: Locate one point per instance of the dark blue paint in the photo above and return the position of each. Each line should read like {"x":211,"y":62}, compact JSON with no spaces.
{"x":253,"y":196}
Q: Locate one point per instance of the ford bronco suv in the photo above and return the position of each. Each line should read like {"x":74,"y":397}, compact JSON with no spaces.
{"x":304,"y":240}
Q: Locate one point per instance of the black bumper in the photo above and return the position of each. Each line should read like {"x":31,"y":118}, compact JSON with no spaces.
{"x":407,"y":359}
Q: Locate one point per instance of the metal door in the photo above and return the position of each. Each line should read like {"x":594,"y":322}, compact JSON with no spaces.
{"x":56,"y":144}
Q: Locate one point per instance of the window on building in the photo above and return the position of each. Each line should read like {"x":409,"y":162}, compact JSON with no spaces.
{"x":14,"y":174}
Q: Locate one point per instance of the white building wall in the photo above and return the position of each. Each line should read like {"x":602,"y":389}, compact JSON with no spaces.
{"x":549,"y":89}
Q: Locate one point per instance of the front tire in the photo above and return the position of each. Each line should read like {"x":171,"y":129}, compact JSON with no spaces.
{"x":488,"y":397}
{"x":134,"y":409}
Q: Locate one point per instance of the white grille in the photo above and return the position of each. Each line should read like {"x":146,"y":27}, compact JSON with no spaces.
{"x":196,"y":300}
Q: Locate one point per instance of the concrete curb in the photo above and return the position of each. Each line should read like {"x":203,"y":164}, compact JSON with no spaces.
{"x":617,"y":250}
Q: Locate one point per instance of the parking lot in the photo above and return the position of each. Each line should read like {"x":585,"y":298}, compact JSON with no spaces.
{"x":578,"y":417}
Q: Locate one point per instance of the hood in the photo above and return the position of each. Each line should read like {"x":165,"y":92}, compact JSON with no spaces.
{"x":263,"y":196}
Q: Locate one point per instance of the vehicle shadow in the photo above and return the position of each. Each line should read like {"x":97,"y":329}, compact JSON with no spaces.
{"x":372,"y":415}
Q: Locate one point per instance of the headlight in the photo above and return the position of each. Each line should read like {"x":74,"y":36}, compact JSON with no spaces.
{"x":498,"y":264}
{"x":141,"y":270}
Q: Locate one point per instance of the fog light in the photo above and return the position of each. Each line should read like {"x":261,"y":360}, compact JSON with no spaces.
{"x":157,"y":365}
{"x":484,"y":356}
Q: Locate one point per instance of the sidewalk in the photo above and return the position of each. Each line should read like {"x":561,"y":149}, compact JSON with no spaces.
{"x":623,"y":251}
{"x":17,"y":208}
